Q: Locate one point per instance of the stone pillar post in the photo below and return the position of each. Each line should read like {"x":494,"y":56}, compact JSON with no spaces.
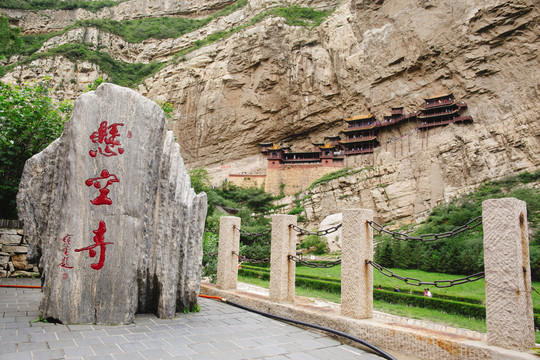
{"x":509,"y":309}
{"x":282,"y":270}
{"x":356,"y":275}
{"x":229,"y":242}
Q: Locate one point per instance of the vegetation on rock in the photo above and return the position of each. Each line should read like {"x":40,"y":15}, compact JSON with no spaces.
{"x":135,"y":31}
{"x":58,"y":5}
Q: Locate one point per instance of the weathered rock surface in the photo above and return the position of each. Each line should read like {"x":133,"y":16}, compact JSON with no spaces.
{"x":109,"y":211}
{"x":32,"y":22}
{"x":275,"y":82}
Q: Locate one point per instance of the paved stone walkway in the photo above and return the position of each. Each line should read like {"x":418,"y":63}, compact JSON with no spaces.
{"x":218,"y":331}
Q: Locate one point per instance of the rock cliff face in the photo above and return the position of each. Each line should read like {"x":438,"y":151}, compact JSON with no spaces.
{"x":274,"y":82}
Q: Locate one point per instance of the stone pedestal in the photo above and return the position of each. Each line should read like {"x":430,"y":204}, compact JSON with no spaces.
{"x":282,"y":270}
{"x":109,"y":211}
{"x":509,"y":309}
{"x":229,"y":243}
{"x":356,"y":275}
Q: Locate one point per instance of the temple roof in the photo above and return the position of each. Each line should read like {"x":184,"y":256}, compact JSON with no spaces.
{"x":360,"y":117}
{"x":439,"y":96}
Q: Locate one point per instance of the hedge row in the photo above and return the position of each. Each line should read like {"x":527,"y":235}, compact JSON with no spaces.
{"x":465,"y":299}
{"x":447,"y":306}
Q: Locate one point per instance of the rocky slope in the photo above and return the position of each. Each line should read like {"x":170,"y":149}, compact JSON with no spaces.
{"x":274,"y":82}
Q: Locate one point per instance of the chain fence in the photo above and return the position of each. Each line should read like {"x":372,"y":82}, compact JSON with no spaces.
{"x":242,"y":258}
{"x":428,"y":237}
{"x":317,"y":233}
{"x":251,"y":234}
{"x":324,"y":265}
{"x":418,"y":282}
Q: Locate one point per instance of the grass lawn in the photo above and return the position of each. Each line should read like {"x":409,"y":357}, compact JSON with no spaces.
{"x":474,"y":289}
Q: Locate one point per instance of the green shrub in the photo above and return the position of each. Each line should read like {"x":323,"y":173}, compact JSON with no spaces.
{"x":301,"y":16}
{"x":319,"y":243}
{"x":528,"y":177}
{"x":209,"y":260}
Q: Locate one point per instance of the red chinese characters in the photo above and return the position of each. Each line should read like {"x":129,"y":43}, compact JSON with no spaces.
{"x":65,"y":250}
{"x":107,"y":179}
{"x":99,"y":240}
{"x":106,"y":140}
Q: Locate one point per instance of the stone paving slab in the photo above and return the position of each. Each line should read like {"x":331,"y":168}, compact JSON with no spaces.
{"x":218,"y":331}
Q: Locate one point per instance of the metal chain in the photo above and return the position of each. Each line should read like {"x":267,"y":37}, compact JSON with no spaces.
{"x":242,"y":258}
{"x":213,"y":230}
{"x":244,"y":232}
{"x":428,"y":237}
{"x":210,"y":254}
{"x":313,"y":264}
{"x":418,"y":282}
{"x":317,"y":233}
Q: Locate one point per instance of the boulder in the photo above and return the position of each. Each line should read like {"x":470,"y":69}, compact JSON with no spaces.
{"x":333,"y":239}
{"x":110,"y":214}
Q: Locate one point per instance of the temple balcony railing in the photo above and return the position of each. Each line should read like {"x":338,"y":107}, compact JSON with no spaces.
{"x":425,"y":125}
{"x":303,"y":159}
{"x":439,"y":103}
{"x":356,"y":152}
{"x":437,"y":114}
{"x":361,"y":127}
{"x":359,"y":139}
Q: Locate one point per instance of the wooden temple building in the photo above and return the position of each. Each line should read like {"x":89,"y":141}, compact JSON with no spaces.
{"x":324,"y":154}
{"x":441,"y":110}
{"x":361,"y":134}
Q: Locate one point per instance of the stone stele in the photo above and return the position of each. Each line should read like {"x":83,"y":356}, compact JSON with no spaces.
{"x":110,"y":214}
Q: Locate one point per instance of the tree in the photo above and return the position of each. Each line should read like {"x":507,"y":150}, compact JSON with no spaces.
{"x":200,"y":179}
{"x":29,"y":121}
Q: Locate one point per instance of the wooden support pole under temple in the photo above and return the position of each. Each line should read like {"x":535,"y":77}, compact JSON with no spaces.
{"x":356,"y":274}
{"x":509,"y":308}
{"x":229,"y":243}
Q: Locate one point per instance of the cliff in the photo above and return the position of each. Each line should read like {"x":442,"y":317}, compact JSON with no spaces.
{"x":266,"y":80}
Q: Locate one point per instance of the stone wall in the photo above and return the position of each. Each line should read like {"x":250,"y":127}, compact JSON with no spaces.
{"x":13,"y":252}
{"x":294,"y":178}
{"x":247,"y":180}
